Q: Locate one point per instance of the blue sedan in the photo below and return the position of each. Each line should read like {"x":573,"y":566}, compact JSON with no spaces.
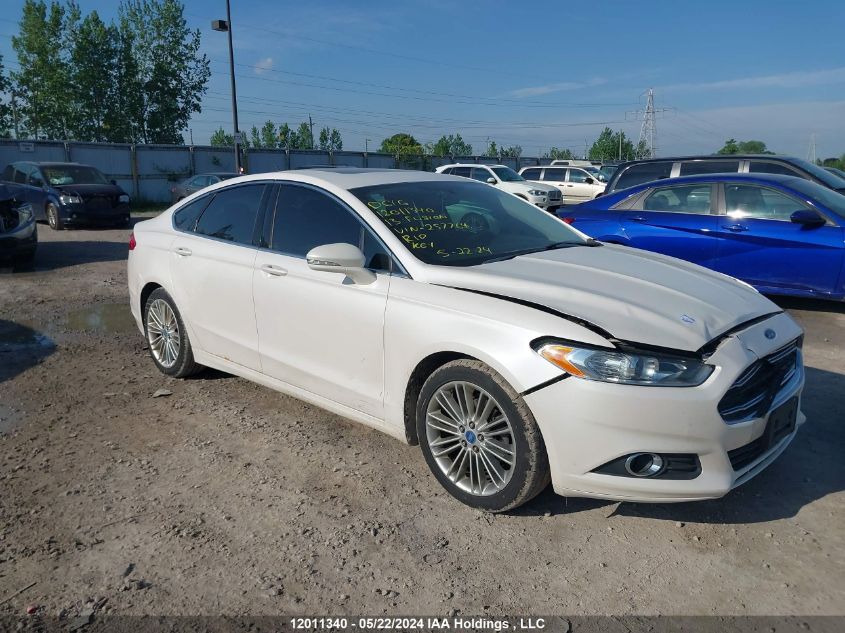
{"x":781,"y":234}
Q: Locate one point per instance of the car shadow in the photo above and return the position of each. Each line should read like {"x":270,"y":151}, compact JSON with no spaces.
{"x":809,"y":470}
{"x":21,"y":348}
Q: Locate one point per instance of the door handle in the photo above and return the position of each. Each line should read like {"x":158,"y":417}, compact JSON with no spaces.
{"x":276,"y":271}
{"x":637,"y":218}
{"x":570,"y":185}
{"x":182,"y":251}
{"x":736,"y":228}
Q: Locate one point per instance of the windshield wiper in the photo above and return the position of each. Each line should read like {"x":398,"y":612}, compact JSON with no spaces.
{"x":550,"y":247}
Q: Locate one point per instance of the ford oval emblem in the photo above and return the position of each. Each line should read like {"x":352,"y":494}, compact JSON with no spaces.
{"x":687,"y":318}
{"x":770,"y":334}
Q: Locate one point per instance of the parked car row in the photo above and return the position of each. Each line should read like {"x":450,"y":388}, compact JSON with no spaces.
{"x":545,"y":196}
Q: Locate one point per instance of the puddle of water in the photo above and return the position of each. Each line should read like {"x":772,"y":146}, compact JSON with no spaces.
{"x":108,"y":318}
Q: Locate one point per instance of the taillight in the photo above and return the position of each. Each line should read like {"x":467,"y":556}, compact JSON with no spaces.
{"x":132,"y":241}
{"x":569,"y":220}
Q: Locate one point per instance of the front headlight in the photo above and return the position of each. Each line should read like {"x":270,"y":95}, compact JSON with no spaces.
{"x":536,"y":192}
{"x":123,"y":199}
{"x":628,"y":368}
{"x":69,"y":198}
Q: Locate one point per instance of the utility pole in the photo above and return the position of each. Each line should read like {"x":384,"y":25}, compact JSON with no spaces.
{"x":311,"y":128}
{"x":226,"y":25}
{"x":620,"y":145}
{"x":366,"y":145}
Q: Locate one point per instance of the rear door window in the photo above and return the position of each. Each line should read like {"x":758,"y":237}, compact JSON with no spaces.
{"x":481,"y":174}
{"x":555,"y":174}
{"x":683,"y":199}
{"x":462,"y":171}
{"x":639,"y":173}
{"x":231,"y":214}
{"x":693,"y":167}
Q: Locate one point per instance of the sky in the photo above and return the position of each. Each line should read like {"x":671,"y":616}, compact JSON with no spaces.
{"x":536,"y":74}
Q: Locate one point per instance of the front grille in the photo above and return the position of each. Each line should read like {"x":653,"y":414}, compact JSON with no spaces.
{"x":554,"y":195}
{"x":98,"y":203}
{"x":752,"y":394}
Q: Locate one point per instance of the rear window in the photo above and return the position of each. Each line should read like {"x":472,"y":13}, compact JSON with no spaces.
{"x":556,"y":174}
{"x":694,"y":167}
{"x":639,"y":173}
{"x":532,"y":174}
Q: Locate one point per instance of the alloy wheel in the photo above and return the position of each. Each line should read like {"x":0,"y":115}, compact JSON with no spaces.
{"x":163,"y":333}
{"x":470,"y":438}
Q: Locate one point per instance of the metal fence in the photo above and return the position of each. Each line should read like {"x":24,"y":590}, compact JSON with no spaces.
{"x":149,"y":171}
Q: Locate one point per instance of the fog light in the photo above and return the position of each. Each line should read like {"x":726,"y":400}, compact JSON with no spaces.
{"x":644,"y":464}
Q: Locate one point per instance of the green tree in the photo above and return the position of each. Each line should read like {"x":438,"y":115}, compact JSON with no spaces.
{"x":171,"y":71}
{"x":401,"y":144}
{"x":559,"y":154}
{"x":269,"y":135}
{"x":330,"y":140}
{"x":124,"y":119}
{"x":732,"y":146}
{"x":5,"y":108}
{"x":255,"y":137}
{"x":450,"y":146}
{"x":41,"y":83}
{"x":514,"y":151}
{"x":303,"y":138}
{"x":93,"y":68}
{"x":611,"y":145}
{"x":221,"y":138}
{"x":492,"y":149}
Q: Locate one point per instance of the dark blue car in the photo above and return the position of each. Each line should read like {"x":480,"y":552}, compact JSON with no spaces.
{"x":782,"y":234}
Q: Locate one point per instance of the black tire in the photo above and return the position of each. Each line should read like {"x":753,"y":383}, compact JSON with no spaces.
{"x":54,"y":218}
{"x":530,"y":473}
{"x":184,"y":364}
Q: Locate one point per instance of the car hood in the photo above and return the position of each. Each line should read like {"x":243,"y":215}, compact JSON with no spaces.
{"x":632,"y":295}
{"x":90,"y":190}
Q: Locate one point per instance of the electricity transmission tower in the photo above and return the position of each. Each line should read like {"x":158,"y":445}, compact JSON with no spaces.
{"x":811,"y":151}
{"x":647,"y":131}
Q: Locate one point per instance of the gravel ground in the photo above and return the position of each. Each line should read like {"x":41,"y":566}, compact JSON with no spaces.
{"x":226,"y":498}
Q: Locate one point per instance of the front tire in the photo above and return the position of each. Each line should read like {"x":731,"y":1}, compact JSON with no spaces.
{"x":167,"y":338}
{"x":53,"y":218}
{"x":479,"y":438}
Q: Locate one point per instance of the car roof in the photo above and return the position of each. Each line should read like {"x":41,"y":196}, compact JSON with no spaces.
{"x":52,"y":163}
{"x":673,"y":159}
{"x":352,"y":177}
{"x":471,"y":165}
{"x":780,"y":179}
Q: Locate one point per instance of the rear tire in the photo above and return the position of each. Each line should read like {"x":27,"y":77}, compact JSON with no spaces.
{"x":167,"y":338}
{"x":479,"y":438}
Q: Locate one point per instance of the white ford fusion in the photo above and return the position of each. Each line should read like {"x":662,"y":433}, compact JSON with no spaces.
{"x":512,"y":348}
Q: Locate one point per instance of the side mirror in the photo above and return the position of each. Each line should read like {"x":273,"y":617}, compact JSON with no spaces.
{"x":113,"y":181}
{"x":340,"y":258}
{"x":808,"y":218}
{"x":589,"y":180}
{"x":491,"y":181}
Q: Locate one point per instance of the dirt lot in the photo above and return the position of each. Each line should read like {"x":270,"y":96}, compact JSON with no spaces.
{"x":227,"y":498}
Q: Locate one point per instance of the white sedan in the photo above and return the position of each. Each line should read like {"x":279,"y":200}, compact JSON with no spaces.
{"x":515,"y":351}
